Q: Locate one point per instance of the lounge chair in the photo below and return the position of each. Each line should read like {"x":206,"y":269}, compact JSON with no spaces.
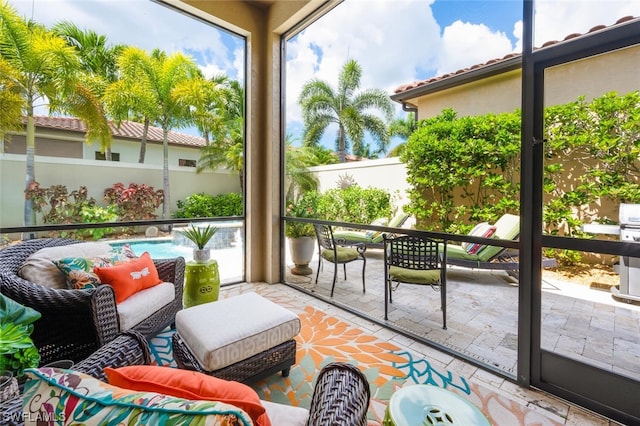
{"x":371,"y":239}
{"x":479,"y":256}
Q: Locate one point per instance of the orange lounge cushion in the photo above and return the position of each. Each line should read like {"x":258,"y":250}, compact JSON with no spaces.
{"x":189,"y":385}
{"x":129,"y":278}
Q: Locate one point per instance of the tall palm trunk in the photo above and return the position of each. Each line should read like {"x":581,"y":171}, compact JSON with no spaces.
{"x":29,"y":215}
{"x":342,"y":155}
{"x":143,"y":141}
{"x":165,"y":173}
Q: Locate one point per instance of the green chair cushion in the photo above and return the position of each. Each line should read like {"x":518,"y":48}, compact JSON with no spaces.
{"x":507,"y":228}
{"x":414,"y":276}
{"x":345,"y":254}
{"x":398,"y":219}
{"x":358,"y":237}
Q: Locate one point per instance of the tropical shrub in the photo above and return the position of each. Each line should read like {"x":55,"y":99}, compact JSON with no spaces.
{"x":466,"y":170}
{"x":207,"y":205}
{"x":59,"y":206}
{"x":56,"y":204}
{"x":463,"y":170}
{"x":135,"y":202}
{"x":355,"y":204}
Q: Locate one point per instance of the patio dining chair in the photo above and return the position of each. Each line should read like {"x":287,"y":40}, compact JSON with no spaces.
{"x":338,"y":253}
{"x":414,"y":260}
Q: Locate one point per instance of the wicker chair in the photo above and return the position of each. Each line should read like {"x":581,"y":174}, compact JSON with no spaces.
{"x":128,"y":348}
{"x":340,"y":397}
{"x":75,"y":323}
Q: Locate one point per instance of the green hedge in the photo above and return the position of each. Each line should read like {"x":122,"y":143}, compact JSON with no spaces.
{"x":466,"y":170}
{"x":206,"y":205}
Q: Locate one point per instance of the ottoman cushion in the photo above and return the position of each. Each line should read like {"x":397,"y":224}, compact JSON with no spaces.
{"x":222,"y":333}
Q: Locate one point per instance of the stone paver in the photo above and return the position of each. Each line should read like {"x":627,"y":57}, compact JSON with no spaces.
{"x":482,"y":314}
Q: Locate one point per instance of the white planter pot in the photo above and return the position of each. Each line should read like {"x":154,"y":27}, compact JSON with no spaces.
{"x":201,"y":256}
{"x":301,"y":249}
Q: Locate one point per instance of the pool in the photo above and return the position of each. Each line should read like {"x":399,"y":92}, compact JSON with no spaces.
{"x":230,"y":260}
{"x":160,"y":249}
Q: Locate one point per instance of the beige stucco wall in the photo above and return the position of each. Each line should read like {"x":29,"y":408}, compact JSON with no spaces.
{"x":591,"y":77}
{"x":611,"y":72}
{"x":98,"y":175}
{"x":491,"y":95}
{"x":385,"y":173}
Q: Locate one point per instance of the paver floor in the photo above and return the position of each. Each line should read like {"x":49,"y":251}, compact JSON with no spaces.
{"x":482,"y":314}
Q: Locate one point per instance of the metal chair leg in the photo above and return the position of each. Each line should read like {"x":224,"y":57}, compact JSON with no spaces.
{"x":319,"y":264}
{"x":335,"y":276}
{"x":386,"y":298}
{"x":364,"y":264}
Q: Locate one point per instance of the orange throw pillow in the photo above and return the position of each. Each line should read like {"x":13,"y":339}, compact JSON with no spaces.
{"x":129,"y":278}
{"x":189,"y":385}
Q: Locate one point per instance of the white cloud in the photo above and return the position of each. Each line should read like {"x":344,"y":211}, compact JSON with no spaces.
{"x":395,"y":41}
{"x":556,"y":19}
{"x":398,"y":42}
{"x":464,"y":44}
{"x":142,"y":23}
{"x":389,"y":39}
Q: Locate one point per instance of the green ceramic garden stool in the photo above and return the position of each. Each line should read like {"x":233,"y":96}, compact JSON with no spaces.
{"x":433,"y":406}
{"x":201,"y":283}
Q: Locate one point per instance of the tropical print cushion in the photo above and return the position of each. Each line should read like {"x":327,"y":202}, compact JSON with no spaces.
{"x":66,"y":397}
{"x":78,"y":271}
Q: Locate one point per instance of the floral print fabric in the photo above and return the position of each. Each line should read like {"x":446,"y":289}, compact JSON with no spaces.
{"x":65,"y":397}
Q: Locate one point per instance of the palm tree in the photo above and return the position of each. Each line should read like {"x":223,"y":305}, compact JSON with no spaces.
{"x":127,"y":98}
{"x":40,"y":67}
{"x":97,"y":58}
{"x":10,"y":100}
{"x":226,"y":149}
{"x":351,"y":111}
{"x":212,"y":105}
{"x":160,"y":81}
{"x":402,"y":128}
{"x":297,"y":161}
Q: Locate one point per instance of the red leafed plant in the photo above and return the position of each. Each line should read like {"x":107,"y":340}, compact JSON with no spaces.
{"x":135,"y":202}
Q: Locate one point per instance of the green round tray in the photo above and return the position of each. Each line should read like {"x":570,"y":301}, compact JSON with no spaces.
{"x":431,"y":406}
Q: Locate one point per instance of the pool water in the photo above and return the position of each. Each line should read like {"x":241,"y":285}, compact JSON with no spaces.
{"x":230,"y":260}
{"x":158,"y":249}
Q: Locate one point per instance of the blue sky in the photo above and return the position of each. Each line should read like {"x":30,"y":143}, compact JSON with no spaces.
{"x":395,"y":41}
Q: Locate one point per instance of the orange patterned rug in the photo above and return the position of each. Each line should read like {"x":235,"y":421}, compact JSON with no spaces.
{"x":325,"y":339}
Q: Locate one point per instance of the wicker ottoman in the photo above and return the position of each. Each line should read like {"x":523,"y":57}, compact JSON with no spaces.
{"x":243,"y":338}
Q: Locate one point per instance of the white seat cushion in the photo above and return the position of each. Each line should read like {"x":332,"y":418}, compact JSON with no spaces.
{"x":285,"y":415}
{"x":222,"y":333}
{"x":142,"y":304}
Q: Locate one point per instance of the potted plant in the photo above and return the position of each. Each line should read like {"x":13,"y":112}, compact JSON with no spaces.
{"x":17,"y":350}
{"x":200,"y":236}
{"x":202,"y":278}
{"x":301,"y":235}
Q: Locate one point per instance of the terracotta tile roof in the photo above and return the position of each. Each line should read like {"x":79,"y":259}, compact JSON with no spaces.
{"x":127,"y":130}
{"x":409,"y":86}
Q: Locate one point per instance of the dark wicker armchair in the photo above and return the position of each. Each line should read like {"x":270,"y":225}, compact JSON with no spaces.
{"x":75,"y":323}
{"x":340,"y":397}
{"x":129,"y":348}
